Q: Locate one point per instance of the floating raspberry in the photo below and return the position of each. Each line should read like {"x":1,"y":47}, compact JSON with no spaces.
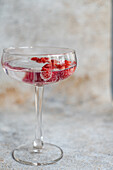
{"x":60,"y":66}
{"x":55,"y":77}
{"x":45,"y":75}
{"x":34,"y":58}
{"x":54,"y":62}
{"x":29,"y":77}
{"x":32,"y":77}
{"x":40,"y":60}
{"x":67,"y":63}
{"x":47,"y":67}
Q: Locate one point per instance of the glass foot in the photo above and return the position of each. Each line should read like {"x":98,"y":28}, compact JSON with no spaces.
{"x":27,"y":154}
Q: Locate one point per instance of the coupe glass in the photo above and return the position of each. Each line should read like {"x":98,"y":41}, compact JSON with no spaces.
{"x":38,"y":66}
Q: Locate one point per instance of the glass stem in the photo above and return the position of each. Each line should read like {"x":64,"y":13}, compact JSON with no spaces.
{"x":38,"y":142}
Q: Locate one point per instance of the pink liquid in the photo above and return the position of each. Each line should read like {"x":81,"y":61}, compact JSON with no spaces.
{"x":32,"y":74}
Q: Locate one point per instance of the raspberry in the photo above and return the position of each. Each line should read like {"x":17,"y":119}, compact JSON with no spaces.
{"x":45,"y":75}
{"x":40,"y":60}
{"x":32,"y":77}
{"x":67,"y":62}
{"x":54,"y":77}
{"x":60,"y":66}
{"x":29,"y":77}
{"x":34,"y":58}
{"x":46,"y":72}
{"x":65,"y":73}
{"x":47,"y":67}
{"x":46,"y":58}
{"x":54,"y":62}
{"x":43,"y":60}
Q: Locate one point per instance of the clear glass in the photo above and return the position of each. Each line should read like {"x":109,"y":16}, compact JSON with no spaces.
{"x":38,"y":66}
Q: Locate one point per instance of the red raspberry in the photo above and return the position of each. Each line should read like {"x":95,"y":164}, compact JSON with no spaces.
{"x":54,"y":62}
{"x":40,"y":60}
{"x":34,"y":58}
{"x":45,"y":75}
{"x":60,"y":66}
{"x":29,"y":77}
{"x":47,"y":67}
{"x":46,"y":72}
{"x":67,"y":62}
{"x":46,"y":58}
{"x":32,"y":77}
{"x":43,"y":60}
{"x":54,"y":77}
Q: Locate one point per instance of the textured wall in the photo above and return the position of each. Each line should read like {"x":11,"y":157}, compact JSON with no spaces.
{"x":83,"y":25}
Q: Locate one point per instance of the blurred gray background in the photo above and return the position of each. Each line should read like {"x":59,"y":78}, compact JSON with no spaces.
{"x":83,"y":25}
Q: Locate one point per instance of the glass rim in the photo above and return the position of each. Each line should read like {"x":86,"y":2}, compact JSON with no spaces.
{"x":65,"y":50}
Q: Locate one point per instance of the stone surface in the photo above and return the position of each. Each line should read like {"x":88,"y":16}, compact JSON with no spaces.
{"x":83,"y":132}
